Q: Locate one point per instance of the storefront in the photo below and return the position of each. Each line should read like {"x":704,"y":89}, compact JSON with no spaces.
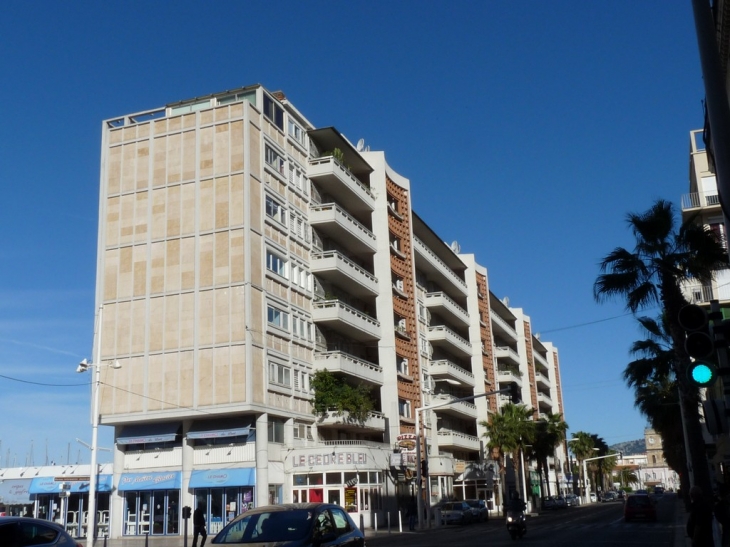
{"x":151,"y":503}
{"x":353,"y":477}
{"x":15,"y":497}
{"x":65,"y":499}
{"x":223,"y":494}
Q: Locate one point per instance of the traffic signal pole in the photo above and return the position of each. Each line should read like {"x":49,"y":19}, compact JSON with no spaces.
{"x":419,"y":478}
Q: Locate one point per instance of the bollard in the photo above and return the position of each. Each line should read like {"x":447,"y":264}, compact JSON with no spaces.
{"x":375,"y":522}
{"x":400,"y":523}
{"x":105,"y":538}
{"x":147,"y":539}
{"x":388,"y":518}
{"x":362,"y":524}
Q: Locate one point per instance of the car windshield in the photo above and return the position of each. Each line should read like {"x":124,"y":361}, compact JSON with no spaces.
{"x":473,"y":503}
{"x":268,"y":527}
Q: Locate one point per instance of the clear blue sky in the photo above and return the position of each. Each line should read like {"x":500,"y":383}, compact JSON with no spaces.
{"x":528,"y":130}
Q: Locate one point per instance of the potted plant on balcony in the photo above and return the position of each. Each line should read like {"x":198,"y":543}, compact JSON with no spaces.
{"x":333,"y":394}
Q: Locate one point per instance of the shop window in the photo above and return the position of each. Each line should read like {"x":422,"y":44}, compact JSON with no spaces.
{"x":275,"y":491}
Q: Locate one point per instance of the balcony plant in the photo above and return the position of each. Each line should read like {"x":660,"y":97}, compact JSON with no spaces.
{"x":333,"y":394}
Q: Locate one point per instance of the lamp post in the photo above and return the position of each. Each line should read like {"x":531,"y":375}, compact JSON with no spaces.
{"x":93,"y":472}
{"x":419,"y":500}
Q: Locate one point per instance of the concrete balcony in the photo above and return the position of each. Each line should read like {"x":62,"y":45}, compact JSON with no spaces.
{"x":443,"y":369}
{"x":336,"y":268}
{"x":436,"y":268}
{"x":336,"y":180}
{"x":459,"y":409}
{"x":508,"y":377}
{"x":374,"y":422}
{"x":456,"y":440}
{"x":544,"y":401}
{"x":506,"y":354}
{"x":345,"y":319}
{"x":542,"y":379}
{"x":500,"y":326}
{"x":446,"y":307}
{"x":344,"y":363}
{"x":333,"y":221}
{"x":442,"y":336}
{"x":540,"y":358}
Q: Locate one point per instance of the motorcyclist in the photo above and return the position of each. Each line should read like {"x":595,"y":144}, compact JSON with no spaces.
{"x":515,"y":503}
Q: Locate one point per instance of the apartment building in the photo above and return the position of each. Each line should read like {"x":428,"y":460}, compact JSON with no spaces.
{"x":241,"y":252}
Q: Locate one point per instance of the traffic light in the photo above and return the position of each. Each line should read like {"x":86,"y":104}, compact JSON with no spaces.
{"x":514,"y":393}
{"x":424,"y":468}
{"x":701,"y":343}
{"x":702,"y":373}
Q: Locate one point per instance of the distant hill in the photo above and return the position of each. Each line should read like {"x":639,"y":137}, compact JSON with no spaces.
{"x":630,"y":447}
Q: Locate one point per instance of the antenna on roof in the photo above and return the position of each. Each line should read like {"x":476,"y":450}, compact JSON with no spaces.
{"x":455,"y":247}
{"x":361,"y":145}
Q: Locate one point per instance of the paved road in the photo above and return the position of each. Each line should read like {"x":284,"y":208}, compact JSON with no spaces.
{"x":599,"y":524}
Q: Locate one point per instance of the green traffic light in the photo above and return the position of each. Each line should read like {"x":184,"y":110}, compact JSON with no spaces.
{"x":702,"y":374}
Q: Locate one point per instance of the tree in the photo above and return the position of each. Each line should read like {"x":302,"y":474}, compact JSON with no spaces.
{"x":662,"y":260}
{"x":508,"y":431}
{"x":656,"y":392}
{"x":582,"y":446}
{"x":549,"y":434}
{"x":627,"y":476}
{"x":333,"y":394}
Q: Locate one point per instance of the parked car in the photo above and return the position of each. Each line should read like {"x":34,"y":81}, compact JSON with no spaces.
{"x":292,"y":525}
{"x":571,"y":500}
{"x":593,"y":496}
{"x":621,"y":495}
{"x":548,"y":502}
{"x":22,"y":531}
{"x":478,"y":509}
{"x":456,"y":512}
{"x":658,"y":491}
{"x":560,"y":502}
{"x":639,"y":506}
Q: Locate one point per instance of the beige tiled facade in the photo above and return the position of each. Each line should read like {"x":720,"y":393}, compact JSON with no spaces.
{"x":237,"y":257}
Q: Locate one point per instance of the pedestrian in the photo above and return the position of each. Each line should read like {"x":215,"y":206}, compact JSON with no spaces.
{"x":199,"y":526}
{"x":699,"y":523}
{"x":412,"y":514}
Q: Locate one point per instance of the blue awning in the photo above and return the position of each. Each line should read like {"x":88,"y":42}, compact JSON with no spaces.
{"x":15,"y":491}
{"x":203,"y":478}
{"x":52,"y":485}
{"x":221,"y":428}
{"x":160,"y":480}
{"x":158,"y":432}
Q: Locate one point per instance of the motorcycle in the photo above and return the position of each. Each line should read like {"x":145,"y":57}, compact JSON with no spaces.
{"x":516,"y":523}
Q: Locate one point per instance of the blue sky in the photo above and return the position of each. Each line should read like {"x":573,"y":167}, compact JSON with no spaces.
{"x":528,"y":131}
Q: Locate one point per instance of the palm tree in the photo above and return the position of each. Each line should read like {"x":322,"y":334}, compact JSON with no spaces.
{"x":549,"y":434}
{"x":509,"y":431}
{"x":662,"y":260}
{"x":627,"y":476}
{"x":656,"y":393}
{"x":582,"y":446}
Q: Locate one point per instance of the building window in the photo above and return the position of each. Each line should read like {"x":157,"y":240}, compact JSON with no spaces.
{"x":273,"y":112}
{"x":301,"y":381}
{"x":301,"y":328}
{"x":299,"y":227}
{"x":274,"y":159}
{"x":402,"y":366}
{"x":277,"y":317}
{"x":279,"y":374}
{"x":276,"y":430}
{"x":297,"y":179}
{"x":303,"y":431}
{"x":296,"y":132}
{"x":404,"y":408}
{"x":275,"y":210}
{"x":301,"y":277}
{"x":276,"y":264}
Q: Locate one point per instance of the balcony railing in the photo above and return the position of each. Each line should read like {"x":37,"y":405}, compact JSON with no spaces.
{"x":443,"y":368}
{"x":441,"y":301}
{"x":441,"y":335}
{"x":346,"y":319}
{"x":335,"y":222}
{"x":339,"y":361}
{"x":503,"y":326}
{"x":506,"y":353}
{"x":374,"y":421}
{"x":440,"y":266}
{"x":456,"y":407}
{"x":336,"y":267}
{"x":700,"y":199}
{"x":338,"y":181}
{"x":457,"y":439}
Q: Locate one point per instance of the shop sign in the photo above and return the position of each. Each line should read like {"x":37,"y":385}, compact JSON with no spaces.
{"x":340,"y":458}
{"x":406,"y":442}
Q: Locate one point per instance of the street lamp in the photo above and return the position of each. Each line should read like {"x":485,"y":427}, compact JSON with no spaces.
{"x":83,"y":367}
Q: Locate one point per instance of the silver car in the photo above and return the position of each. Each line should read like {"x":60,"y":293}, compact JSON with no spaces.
{"x":456,"y":512}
